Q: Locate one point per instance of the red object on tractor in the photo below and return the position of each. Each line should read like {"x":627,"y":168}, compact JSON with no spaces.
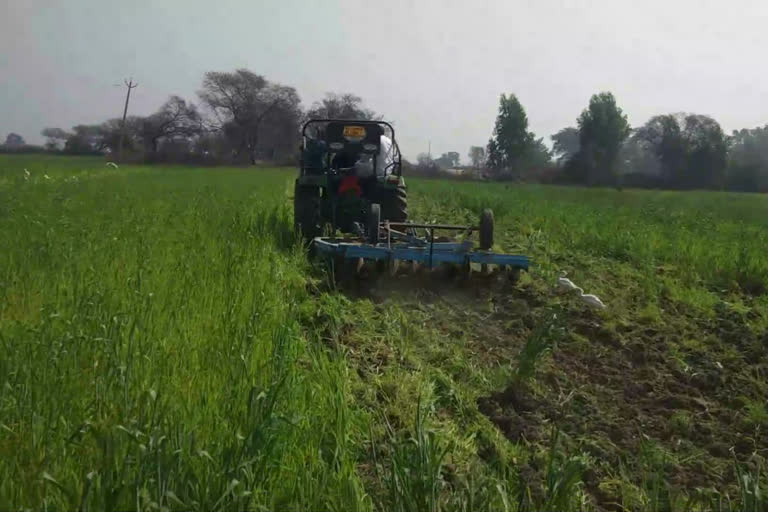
{"x":350,"y":184}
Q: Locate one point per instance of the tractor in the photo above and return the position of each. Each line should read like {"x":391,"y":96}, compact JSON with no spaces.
{"x":350,"y":179}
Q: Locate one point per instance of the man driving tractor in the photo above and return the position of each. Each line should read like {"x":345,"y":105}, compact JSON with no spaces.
{"x":363,"y":164}
{"x":349,"y":169}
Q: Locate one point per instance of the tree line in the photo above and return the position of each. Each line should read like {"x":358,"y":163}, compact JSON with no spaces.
{"x":677,"y":150}
{"x":241,"y":118}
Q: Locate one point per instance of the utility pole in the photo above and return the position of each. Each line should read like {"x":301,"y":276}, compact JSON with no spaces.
{"x":130,"y":85}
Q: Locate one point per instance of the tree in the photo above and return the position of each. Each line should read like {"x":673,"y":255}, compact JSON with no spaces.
{"x":511,"y":146}
{"x":425,"y":165}
{"x":56,"y":138}
{"x":423,"y":159}
{"x":707,"y":152}
{"x":175,"y":118}
{"x":565,"y":144}
{"x":14,"y":140}
{"x":603,"y":127}
{"x":477,"y":156}
{"x":448,"y":160}
{"x":540,"y":155}
{"x":341,"y":106}
{"x":691,"y":149}
{"x":212,"y":145}
{"x":279,"y":133}
{"x":749,"y":146}
{"x":108,"y":134}
{"x":748,"y":160}
{"x":240,"y":101}
{"x":98,"y":138}
{"x":84,"y":139}
{"x":663,"y":136}
{"x":637,"y":158}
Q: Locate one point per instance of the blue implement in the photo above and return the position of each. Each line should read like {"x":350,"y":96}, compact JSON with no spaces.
{"x":426,"y":253}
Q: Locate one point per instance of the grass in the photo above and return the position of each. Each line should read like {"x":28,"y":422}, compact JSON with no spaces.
{"x":168,"y":345}
{"x":539,"y":343}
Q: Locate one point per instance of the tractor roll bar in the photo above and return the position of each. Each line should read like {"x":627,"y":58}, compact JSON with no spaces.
{"x":363,"y":122}
{"x":357,"y":121}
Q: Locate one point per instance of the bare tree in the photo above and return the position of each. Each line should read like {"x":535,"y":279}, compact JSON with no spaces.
{"x":279,"y":132}
{"x":176,"y":118}
{"x":341,"y":106}
{"x":240,"y":101}
{"x":117,"y":134}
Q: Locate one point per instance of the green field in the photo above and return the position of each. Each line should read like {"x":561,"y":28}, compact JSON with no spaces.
{"x":166,"y":344}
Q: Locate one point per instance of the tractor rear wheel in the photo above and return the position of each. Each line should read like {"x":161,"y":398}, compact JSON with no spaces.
{"x":372,"y":223}
{"x":394,"y":204}
{"x":306,"y":210}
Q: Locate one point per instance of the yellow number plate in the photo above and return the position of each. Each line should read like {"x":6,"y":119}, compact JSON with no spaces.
{"x":354,"y":132}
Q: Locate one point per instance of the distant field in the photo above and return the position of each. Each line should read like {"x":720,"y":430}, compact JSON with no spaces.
{"x":166,"y":343}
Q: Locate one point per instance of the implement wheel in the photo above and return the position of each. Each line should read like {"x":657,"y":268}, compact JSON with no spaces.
{"x":486,"y":230}
{"x":372,"y":223}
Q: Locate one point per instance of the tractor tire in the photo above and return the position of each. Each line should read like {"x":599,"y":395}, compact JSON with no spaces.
{"x":306,"y":211}
{"x":373,"y":219}
{"x":486,"y":229}
{"x":394,"y":204}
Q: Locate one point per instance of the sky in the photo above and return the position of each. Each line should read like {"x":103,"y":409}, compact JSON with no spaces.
{"x":433,"y":68}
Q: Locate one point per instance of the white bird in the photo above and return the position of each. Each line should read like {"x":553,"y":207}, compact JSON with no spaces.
{"x":568,"y":285}
{"x":565,"y":283}
{"x":591,"y":300}
{"x":112,"y":164}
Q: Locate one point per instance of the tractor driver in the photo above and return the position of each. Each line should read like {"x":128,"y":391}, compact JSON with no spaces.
{"x":344,"y":160}
{"x":384,"y":160}
{"x":362,"y":165}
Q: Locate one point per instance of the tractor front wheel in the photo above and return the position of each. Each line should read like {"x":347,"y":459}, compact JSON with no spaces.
{"x":306,"y":211}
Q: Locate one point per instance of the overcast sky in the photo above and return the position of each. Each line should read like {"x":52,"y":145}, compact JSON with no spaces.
{"x":434,"y":68}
